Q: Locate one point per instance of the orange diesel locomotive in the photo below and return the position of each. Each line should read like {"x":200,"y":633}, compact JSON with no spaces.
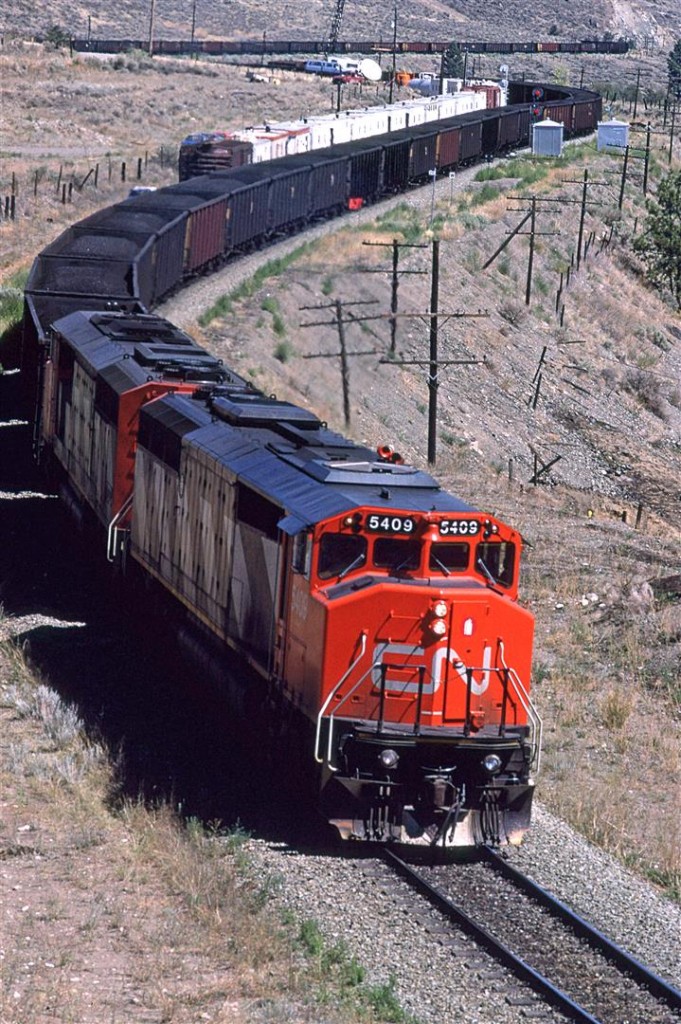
{"x":380,"y":611}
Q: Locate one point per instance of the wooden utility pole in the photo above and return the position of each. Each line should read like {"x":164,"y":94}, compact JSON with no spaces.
{"x":394,"y":63}
{"x":433,"y":382}
{"x":671,"y":132}
{"x":541,"y":467}
{"x":646,"y":162}
{"x":531,"y":216}
{"x":193,"y":25}
{"x":396,"y":246}
{"x":624,"y":176}
{"x":337,"y":305}
{"x":151,"y":28}
{"x":585,"y":182}
{"x":638,"y":82}
{"x":530,"y":259}
{"x":434,"y":362}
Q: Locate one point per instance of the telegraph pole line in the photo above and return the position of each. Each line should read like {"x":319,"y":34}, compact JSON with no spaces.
{"x":531,"y":215}
{"x":530,"y":260}
{"x":433,"y":383}
{"x":584,"y":202}
{"x":396,"y":246}
{"x":624,"y":176}
{"x":343,"y":354}
{"x":434,"y":362}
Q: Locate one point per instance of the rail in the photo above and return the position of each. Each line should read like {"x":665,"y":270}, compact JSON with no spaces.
{"x":660,"y":988}
{"x":488,"y":941}
{"x":114,"y":529}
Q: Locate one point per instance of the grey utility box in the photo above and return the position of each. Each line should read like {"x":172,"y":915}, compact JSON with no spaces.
{"x":547,"y":138}
{"x":613,"y":133}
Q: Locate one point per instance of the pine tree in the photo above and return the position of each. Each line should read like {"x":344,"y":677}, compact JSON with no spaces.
{"x":660,"y":243}
{"x":452,"y":62}
{"x":674,"y":66}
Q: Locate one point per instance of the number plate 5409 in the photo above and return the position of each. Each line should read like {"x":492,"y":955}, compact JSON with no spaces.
{"x":458,"y":527}
{"x":390,"y":524}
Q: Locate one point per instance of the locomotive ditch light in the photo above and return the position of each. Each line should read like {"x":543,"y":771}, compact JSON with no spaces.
{"x":491,"y":764}
{"x":389,"y":758}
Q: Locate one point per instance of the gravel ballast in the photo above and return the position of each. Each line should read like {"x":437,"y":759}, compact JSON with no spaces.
{"x":437,"y":984}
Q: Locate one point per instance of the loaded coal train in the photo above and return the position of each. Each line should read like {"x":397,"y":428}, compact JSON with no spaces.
{"x":378,"y":614}
{"x":261,"y":46}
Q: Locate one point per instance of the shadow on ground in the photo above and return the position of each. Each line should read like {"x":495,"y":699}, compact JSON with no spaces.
{"x":172,"y":736}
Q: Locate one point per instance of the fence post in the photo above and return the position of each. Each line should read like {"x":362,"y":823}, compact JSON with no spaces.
{"x":139,"y":168}
{"x":96,"y":174}
{"x":123,"y":169}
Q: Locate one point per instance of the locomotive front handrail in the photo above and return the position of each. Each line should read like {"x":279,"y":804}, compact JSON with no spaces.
{"x":509,"y":675}
{"x":533,"y":716}
{"x":318,"y":759}
{"x":114,"y":529}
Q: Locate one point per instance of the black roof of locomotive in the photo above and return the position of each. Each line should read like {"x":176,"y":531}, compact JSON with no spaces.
{"x":281,"y":450}
{"x":286,"y":454}
{"x":141,"y":347}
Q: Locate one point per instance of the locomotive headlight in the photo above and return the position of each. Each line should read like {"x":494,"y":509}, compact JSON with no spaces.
{"x":439,"y":609}
{"x":491,"y":764}
{"x":389,"y":758}
{"x":439,"y":627}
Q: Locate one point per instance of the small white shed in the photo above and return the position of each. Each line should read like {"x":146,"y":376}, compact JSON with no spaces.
{"x":547,"y":138}
{"x":613,"y":133}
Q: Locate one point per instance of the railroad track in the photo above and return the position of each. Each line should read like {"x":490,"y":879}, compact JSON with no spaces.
{"x":568,"y":964}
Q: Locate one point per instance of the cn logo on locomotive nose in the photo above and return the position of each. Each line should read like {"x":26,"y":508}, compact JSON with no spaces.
{"x":408,"y":656}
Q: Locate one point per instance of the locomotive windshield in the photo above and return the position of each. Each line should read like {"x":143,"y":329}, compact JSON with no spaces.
{"x":395,"y":554}
{"x":339,"y":553}
{"x":496,"y":561}
{"x":343,"y":553}
{"x":447,"y":558}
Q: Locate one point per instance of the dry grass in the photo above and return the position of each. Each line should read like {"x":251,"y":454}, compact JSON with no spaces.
{"x":134,"y":914}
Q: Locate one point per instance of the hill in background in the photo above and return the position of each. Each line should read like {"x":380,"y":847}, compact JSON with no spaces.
{"x":653,"y":21}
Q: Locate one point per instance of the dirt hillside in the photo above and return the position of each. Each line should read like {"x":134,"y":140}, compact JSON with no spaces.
{"x":656,"y":21}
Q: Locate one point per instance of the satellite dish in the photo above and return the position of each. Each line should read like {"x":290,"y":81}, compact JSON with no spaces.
{"x":370,"y":70}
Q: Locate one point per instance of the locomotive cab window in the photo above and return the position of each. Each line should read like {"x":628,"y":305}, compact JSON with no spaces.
{"x":339,"y":554}
{"x":496,"y":562}
{"x":446,"y":558}
{"x":396,"y":554}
